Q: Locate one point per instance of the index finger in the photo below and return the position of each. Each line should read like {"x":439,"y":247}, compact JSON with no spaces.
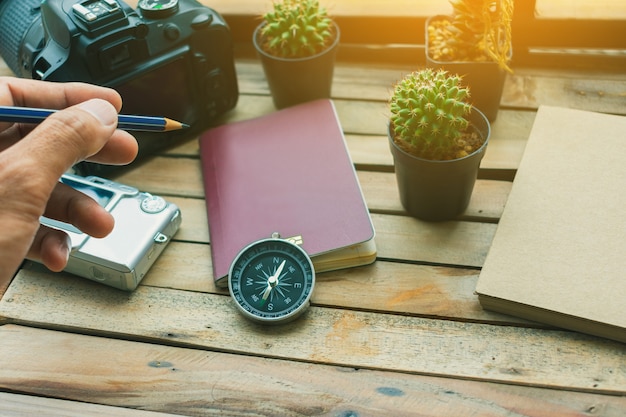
{"x":53,"y":95}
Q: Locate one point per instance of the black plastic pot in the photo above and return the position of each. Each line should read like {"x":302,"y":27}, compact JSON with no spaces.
{"x":439,"y":190}
{"x":297,"y":80}
{"x":485,"y":79}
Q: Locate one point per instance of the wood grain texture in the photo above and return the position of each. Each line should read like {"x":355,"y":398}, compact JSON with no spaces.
{"x":402,"y":238}
{"x":420,"y":290}
{"x":413,"y":240}
{"x":397,"y":237}
{"x":526,"y":88}
{"x":365,"y":123}
{"x":160,"y":176}
{"x":15,"y":405}
{"x":356,"y":339}
{"x":207,"y":383}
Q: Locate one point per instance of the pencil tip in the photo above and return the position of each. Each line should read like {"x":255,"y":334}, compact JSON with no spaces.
{"x":172,"y":124}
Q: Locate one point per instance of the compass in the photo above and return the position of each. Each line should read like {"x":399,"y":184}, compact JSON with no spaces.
{"x":271,"y":280}
{"x":157,"y":9}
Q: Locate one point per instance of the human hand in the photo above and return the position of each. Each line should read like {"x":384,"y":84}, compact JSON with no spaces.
{"x":33,"y":158}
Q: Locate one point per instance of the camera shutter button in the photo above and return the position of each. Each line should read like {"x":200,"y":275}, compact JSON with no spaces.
{"x":201,"y":21}
{"x":153,"y":204}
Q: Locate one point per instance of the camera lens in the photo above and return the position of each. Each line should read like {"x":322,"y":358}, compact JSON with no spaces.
{"x":16,"y":17}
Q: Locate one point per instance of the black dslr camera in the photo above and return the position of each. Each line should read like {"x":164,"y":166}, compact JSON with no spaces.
{"x":170,"y":58}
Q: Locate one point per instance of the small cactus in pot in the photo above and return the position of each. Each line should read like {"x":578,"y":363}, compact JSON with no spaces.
{"x":476,"y":41}
{"x":297,"y":28}
{"x":429,"y":111}
{"x":437,"y":140}
{"x":477,"y":30}
{"x":297,"y":43}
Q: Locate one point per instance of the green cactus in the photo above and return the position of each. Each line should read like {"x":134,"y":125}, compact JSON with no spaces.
{"x":479,"y":30}
{"x":296,"y":28}
{"x":428,"y":114}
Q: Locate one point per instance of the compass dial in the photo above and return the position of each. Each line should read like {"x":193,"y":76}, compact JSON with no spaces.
{"x":271,"y":281}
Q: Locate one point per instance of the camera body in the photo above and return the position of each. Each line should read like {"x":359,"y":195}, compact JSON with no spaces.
{"x":170,"y":58}
{"x":144,"y":225}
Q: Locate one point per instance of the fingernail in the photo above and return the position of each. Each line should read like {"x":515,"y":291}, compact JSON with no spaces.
{"x":66,"y":247}
{"x":102,"y":110}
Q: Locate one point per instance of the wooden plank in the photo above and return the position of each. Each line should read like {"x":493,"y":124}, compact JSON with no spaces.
{"x":379,"y":189}
{"x":183,"y":266}
{"x":365,"y":121}
{"x":397,"y":238}
{"x":525,"y":89}
{"x":368,"y":143}
{"x":383,"y":286}
{"x":205,"y":383}
{"x":371,"y":152}
{"x":194,"y":226}
{"x":162,"y":176}
{"x":425,"y":291}
{"x":381,"y":194}
{"x":601,"y":93}
{"x":15,"y":405}
{"x":330,"y":336}
{"x":449,"y":243}
{"x":364,"y":81}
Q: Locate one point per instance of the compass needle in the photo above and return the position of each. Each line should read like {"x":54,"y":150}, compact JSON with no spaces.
{"x":266,"y":293}
{"x":280,"y":269}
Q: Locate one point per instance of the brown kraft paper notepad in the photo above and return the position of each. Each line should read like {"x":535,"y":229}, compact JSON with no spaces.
{"x":559,"y":252}
{"x":288,"y":172}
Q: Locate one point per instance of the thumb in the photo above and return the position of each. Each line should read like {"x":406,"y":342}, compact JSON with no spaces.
{"x":67,"y":137}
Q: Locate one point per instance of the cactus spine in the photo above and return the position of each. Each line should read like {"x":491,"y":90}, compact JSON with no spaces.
{"x":296,"y":28}
{"x":428,"y":114}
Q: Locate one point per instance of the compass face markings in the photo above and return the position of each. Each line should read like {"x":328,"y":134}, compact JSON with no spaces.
{"x":263,"y":285}
{"x":271,"y":280}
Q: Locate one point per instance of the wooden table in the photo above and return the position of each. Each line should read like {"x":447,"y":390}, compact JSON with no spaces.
{"x":404,"y":336}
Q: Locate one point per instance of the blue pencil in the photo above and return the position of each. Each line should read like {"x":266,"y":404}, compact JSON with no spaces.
{"x":125,"y":122}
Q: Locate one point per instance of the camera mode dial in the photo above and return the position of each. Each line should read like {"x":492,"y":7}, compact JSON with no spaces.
{"x":158,"y":9}
{"x":153,"y":204}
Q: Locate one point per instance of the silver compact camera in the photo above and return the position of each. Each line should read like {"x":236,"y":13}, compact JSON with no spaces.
{"x":144,"y":225}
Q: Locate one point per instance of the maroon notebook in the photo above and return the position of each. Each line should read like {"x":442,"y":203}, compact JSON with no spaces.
{"x":288,"y":172}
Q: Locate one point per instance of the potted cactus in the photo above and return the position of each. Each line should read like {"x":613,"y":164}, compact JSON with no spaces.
{"x":297,"y":43}
{"x":437,"y":140}
{"x":476,"y":42}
